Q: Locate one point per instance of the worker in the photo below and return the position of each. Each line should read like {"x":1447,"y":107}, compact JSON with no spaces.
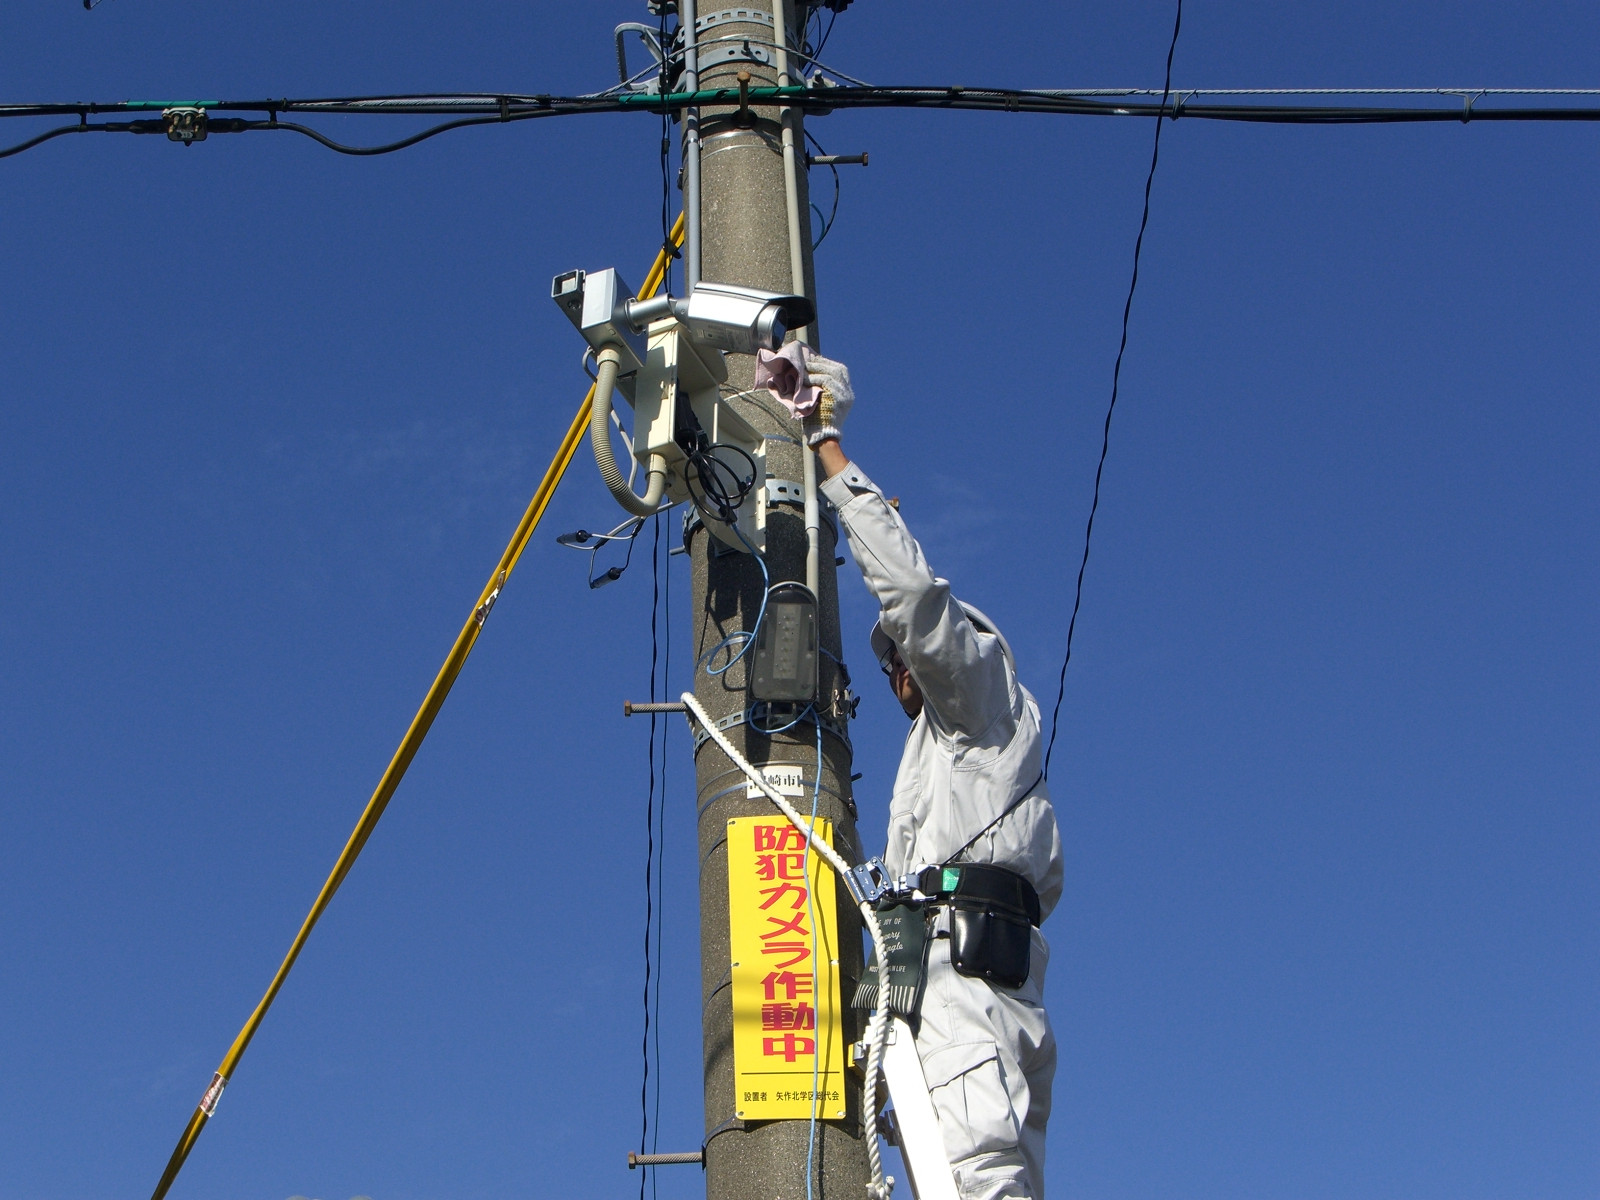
{"x":970,"y":795}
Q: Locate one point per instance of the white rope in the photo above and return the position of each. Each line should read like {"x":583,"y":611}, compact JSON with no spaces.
{"x":877,"y":1029}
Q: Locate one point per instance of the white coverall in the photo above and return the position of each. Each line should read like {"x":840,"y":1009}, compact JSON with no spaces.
{"x":987,"y":1052}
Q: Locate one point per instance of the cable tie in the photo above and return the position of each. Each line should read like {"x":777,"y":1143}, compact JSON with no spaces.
{"x":208,"y":1102}
{"x":505,"y":108}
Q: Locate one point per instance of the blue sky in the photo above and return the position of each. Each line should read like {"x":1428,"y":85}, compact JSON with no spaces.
{"x":1328,"y":770}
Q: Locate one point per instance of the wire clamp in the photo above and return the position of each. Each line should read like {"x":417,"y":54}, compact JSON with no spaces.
{"x":208,"y":1102}
{"x":186,"y":125}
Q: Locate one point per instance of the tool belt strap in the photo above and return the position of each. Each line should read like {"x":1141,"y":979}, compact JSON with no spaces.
{"x":982,"y":883}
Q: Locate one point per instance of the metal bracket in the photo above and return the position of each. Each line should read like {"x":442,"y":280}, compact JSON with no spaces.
{"x":186,"y":125}
{"x":735,"y":719}
{"x":744,"y":16}
{"x":779,"y":491}
{"x":732,"y":48}
{"x":844,"y":702}
{"x":714,"y":53}
{"x":731,"y":1125}
{"x":652,"y":42}
{"x":785,"y":491}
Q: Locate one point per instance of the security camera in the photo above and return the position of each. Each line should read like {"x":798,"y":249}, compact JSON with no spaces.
{"x":741,"y":320}
{"x":717,"y":316}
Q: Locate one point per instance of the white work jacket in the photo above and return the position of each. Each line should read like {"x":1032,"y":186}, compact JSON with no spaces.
{"x":976,"y":746}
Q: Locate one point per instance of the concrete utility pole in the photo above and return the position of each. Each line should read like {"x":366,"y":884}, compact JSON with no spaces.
{"x":744,"y":239}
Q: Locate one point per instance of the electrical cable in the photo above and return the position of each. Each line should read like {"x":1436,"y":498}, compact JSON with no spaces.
{"x":1104,"y":102}
{"x":826,"y":33}
{"x":747,"y":638}
{"x":47,"y":136}
{"x":581,"y":539}
{"x":754,"y":723}
{"x":708,"y":469}
{"x":437,"y":693}
{"x":1116,"y":379}
{"x":827,"y":225}
{"x":498,"y":105}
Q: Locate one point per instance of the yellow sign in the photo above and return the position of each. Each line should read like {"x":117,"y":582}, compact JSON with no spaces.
{"x":788,"y":1045}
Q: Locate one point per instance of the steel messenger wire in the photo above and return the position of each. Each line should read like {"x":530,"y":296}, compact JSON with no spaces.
{"x":409,"y":745}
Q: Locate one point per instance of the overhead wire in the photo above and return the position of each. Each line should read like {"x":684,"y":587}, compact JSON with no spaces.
{"x":827,"y":33}
{"x":492,"y":109}
{"x":1116,"y":380}
{"x":410,"y":743}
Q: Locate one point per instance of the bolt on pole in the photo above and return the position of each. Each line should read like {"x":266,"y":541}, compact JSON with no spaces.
{"x":744,"y":238}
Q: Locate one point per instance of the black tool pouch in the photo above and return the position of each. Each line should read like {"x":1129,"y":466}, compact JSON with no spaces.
{"x":989,"y":942}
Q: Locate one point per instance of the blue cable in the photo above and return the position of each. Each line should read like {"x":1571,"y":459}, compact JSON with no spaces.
{"x":749,"y":638}
{"x":749,"y":716}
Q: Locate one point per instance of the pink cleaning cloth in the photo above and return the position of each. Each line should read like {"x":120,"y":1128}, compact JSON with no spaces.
{"x":783,"y":373}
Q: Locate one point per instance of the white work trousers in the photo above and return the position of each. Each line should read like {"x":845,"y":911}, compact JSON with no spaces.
{"x":989,"y":1055}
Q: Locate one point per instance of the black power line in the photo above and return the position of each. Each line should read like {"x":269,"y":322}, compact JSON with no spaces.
{"x":491,"y":109}
{"x":1116,"y":380}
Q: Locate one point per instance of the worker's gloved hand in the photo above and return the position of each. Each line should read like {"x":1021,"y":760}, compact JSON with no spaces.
{"x":834,"y":405}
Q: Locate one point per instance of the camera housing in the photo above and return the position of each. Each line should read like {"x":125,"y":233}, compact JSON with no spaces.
{"x":671,"y":368}
{"x":716,"y":316}
{"x":741,"y":320}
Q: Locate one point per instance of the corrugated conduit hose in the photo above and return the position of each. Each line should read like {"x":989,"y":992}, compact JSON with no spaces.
{"x":878,"y":1188}
{"x":605,"y":382}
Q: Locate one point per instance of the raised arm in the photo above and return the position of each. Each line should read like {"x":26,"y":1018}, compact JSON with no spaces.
{"x":962,"y":672}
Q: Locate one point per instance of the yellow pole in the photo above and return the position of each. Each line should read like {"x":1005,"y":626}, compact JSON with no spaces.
{"x":409,"y":745}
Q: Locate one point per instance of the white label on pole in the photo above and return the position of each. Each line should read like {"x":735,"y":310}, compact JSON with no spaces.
{"x":787,"y":779}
